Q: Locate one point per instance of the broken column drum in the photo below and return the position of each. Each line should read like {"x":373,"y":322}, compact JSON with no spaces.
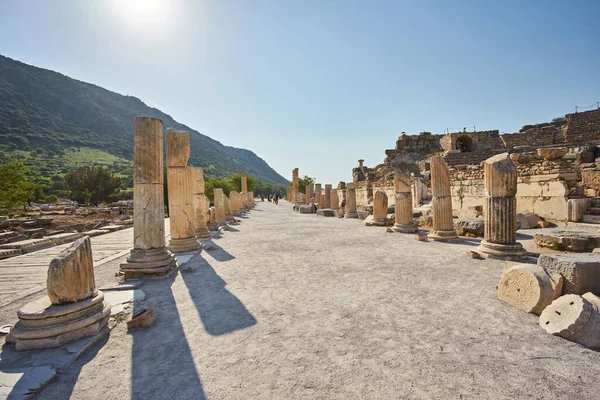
{"x":227,"y":204}
{"x":351,"y":203}
{"x":404,"y":205}
{"x":443,"y":226}
{"x":380,"y":208}
{"x":200,"y":217}
{"x":149,"y":256}
{"x":500,"y":229}
{"x":234,"y":197}
{"x":180,"y":187}
{"x":73,"y":308}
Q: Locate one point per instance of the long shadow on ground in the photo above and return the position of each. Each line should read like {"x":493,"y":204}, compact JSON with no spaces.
{"x":220,"y":311}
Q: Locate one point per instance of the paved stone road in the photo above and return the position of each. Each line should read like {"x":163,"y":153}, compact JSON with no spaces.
{"x":292,"y":306}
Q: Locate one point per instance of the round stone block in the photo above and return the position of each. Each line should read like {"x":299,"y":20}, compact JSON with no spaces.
{"x":529,"y":287}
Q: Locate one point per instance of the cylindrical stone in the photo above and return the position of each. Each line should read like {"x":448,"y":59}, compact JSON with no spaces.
{"x":443,"y":225}
{"x":219,"y":206}
{"x":200,"y":216}
{"x":334,"y":200}
{"x":404,"y":213}
{"x":575,"y":318}
{"x":309,"y":193}
{"x":351,"y":203}
{"x":380,"y":207}
{"x":318,"y":192}
{"x":529,"y":287}
{"x":181,"y":209}
{"x":327,"y":203}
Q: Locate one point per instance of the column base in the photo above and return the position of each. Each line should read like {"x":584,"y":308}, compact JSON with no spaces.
{"x":183,"y":245}
{"x":379,"y":222}
{"x":405,"y":228}
{"x":203,"y":233}
{"x":501,"y":251}
{"x":351,"y":215}
{"x":442,"y":235}
{"x":148,"y":263}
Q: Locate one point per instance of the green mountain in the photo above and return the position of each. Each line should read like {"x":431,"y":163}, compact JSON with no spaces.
{"x":44,"y":113}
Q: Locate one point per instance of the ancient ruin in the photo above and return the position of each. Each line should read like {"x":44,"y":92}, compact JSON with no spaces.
{"x":180,"y":180}
{"x":309,"y":193}
{"x":404,"y":205}
{"x":318,"y":193}
{"x":200,"y":215}
{"x":443,"y":226}
{"x":351,"y":202}
{"x":380,"y":209}
{"x":219,"y":200}
{"x":149,"y":257}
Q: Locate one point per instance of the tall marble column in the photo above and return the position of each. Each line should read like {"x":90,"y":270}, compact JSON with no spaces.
{"x":219,"y":206}
{"x":327,"y":197}
{"x":200,"y":216}
{"x":403,"y":206}
{"x":500,"y":229}
{"x":295,"y":185}
{"x":334,"y":200}
{"x":318,"y":193}
{"x":180,"y":179}
{"x":309,"y":193}
{"x":149,"y":256}
{"x":351,"y":202}
{"x":443,"y":225}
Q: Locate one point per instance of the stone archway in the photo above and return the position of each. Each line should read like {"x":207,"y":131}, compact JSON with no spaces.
{"x":464,"y":144}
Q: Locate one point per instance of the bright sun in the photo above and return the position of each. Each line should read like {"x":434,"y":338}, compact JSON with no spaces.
{"x":144,"y":7}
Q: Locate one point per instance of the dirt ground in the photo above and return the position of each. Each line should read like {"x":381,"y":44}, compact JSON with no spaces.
{"x":292,"y":306}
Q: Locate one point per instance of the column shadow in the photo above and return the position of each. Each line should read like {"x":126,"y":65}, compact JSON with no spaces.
{"x":220,"y":311}
{"x":218,"y":253}
{"x":162,"y":364}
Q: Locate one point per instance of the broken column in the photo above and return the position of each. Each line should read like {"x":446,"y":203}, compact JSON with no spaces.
{"x":443,"y":226}
{"x":403,"y":206}
{"x":227,"y":204}
{"x":327,"y":204}
{"x":575,"y":318}
{"x":380,"y":208}
{"x":219,"y":206}
{"x":180,"y":187}
{"x":334,"y":200}
{"x":309,"y":193}
{"x":318,"y":192}
{"x":235,"y":203}
{"x":244,"y":193}
{"x":73,"y":308}
{"x":200,"y":216}
{"x":500,"y":229}
{"x":295,"y":185}
{"x":149,"y":256}
{"x":351,"y":202}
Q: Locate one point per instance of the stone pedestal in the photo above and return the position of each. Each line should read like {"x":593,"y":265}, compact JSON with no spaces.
{"x":443,"y":226}
{"x":403,"y":207}
{"x":334,"y":200}
{"x":318,"y":193}
{"x":73,"y":309}
{"x":500,"y":230}
{"x":380,"y":208}
{"x":218,"y":199}
{"x":200,"y":216}
{"x":149,"y":257}
{"x":351,"y":203}
{"x":180,"y":180}
{"x":327,"y":204}
{"x":309,"y":193}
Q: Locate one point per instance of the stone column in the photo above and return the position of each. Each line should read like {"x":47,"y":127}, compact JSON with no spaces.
{"x":200,"y":216}
{"x":309,"y":193}
{"x":404,"y":208}
{"x":334,"y":200}
{"x":327,"y":197}
{"x":149,"y":256}
{"x":180,"y":188}
{"x":227,"y":203}
{"x":500,"y":209}
{"x":295,"y":185}
{"x":351,"y":202}
{"x":380,"y":208}
{"x":235,"y":203}
{"x":244,"y":191}
{"x":443,"y":226}
{"x":219,"y":206}
{"x":318,"y":195}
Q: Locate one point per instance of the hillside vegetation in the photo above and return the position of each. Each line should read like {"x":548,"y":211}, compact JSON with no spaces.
{"x":55,"y":123}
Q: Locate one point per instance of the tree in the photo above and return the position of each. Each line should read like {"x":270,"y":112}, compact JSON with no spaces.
{"x":92,"y":184}
{"x":304,"y":182}
{"x":222,"y":183}
{"x":559,"y":121}
{"x":236,"y":179}
{"x":15,"y":188}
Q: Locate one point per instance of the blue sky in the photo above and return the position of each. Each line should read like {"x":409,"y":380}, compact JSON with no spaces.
{"x":319,"y":84}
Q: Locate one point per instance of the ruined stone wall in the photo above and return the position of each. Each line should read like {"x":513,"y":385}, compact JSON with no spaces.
{"x":583,"y":127}
{"x":545,"y":137}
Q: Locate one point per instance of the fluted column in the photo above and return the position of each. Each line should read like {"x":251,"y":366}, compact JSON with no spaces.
{"x":180,"y":187}
{"x":318,"y":193}
{"x":380,"y":208}
{"x":443,"y":226}
{"x":200,"y":216}
{"x":500,"y":209}
{"x":309,"y":193}
{"x":149,"y":256}
{"x":404,"y":209}
{"x":351,"y":202}
{"x":219,"y":206}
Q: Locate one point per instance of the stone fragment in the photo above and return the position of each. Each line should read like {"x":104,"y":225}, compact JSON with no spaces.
{"x":500,"y":229}
{"x":143,"y":319}
{"x":469,"y":227}
{"x":581,"y":272}
{"x":473,"y":254}
{"x":362,"y":214}
{"x":305,"y":209}
{"x":527,"y":220}
{"x":552,"y":153}
{"x":529,"y":287}
{"x":576,"y":209}
{"x":421,"y":238}
{"x":575,"y":318}
{"x":389,"y":230}
{"x":443,"y":226}
{"x":543,"y":224}
{"x":567,"y":240}
{"x":71,"y":274}
{"x":326,"y":212}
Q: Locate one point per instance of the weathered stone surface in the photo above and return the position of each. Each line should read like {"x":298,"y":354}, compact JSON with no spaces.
{"x":575,"y":318}
{"x":581,"y":272}
{"x":71,"y":274}
{"x":309,"y":193}
{"x":305,"y":209}
{"x":576,"y":208}
{"x":560,"y":239}
{"x":469,"y":226}
{"x":351,"y":203}
{"x":552,"y":153}
{"x":527,"y":220}
{"x":200,"y":217}
{"x":219,"y":200}
{"x":318,"y":193}
{"x":380,"y":207}
{"x":529,"y":287}
{"x":327,"y":198}
{"x":326,"y":212}
{"x":403,"y":205}
{"x":334,"y":200}
{"x":443,"y":227}
{"x":144,"y":320}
